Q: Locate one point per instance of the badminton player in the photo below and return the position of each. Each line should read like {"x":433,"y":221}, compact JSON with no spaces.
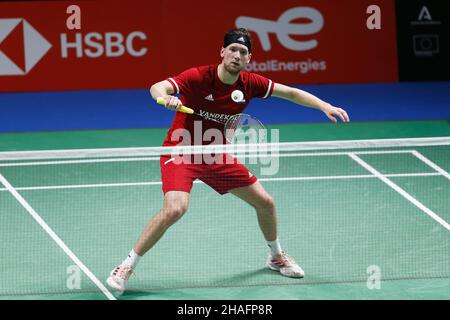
{"x":210,"y":87}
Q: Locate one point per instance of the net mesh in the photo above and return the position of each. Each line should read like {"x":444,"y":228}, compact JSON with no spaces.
{"x":347,"y":211}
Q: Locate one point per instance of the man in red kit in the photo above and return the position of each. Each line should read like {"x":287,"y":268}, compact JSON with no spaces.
{"x":207,"y":89}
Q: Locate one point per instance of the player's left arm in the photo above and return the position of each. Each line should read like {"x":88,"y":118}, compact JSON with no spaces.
{"x":308,"y":100}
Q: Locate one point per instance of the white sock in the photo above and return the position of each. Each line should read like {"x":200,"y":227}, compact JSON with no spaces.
{"x":275,"y":248}
{"x":132,"y":259}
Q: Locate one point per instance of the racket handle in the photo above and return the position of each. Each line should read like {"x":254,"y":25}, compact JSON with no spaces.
{"x":160,"y":100}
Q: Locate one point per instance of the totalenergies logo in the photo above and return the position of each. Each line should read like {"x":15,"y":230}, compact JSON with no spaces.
{"x":284,"y":28}
{"x":21,"y":47}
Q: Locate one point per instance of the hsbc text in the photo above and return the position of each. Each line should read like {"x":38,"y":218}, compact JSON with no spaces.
{"x":109,"y":44}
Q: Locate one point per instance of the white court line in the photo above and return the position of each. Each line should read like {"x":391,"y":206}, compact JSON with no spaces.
{"x":55,"y":237}
{"x":340,"y":153}
{"x":431,"y":164}
{"x":97,"y":185}
{"x":42,"y":163}
{"x":316,"y":154}
{"x":402,"y":192}
{"x":361,"y":176}
{"x":155,"y":183}
{"x":261,"y":155}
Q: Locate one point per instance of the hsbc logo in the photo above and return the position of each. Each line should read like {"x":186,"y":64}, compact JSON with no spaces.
{"x":21,"y":47}
{"x":284,"y":28}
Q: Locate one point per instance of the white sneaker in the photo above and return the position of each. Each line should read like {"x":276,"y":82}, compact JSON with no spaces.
{"x":285,"y":265}
{"x":119,"y":277}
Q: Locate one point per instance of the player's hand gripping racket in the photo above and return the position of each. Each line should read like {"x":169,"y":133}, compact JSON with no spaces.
{"x":238,"y":128}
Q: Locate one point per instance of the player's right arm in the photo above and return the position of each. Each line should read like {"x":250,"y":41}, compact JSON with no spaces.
{"x":165,"y":89}
{"x":307,"y":99}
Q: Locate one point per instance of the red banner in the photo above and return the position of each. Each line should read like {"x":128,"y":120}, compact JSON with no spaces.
{"x":134,"y":43}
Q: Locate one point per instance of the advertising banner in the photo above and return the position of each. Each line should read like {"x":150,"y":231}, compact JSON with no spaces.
{"x":134,"y":43}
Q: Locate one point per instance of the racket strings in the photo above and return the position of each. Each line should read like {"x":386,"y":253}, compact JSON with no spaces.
{"x":233,"y":122}
{"x":244,"y":126}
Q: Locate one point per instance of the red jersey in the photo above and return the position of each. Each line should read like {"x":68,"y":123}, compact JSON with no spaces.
{"x":202,"y":90}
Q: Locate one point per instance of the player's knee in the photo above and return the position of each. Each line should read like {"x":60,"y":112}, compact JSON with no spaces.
{"x":266,"y":203}
{"x":174,"y":212}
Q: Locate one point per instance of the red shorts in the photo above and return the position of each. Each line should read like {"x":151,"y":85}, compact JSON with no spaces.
{"x":179,"y":175}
